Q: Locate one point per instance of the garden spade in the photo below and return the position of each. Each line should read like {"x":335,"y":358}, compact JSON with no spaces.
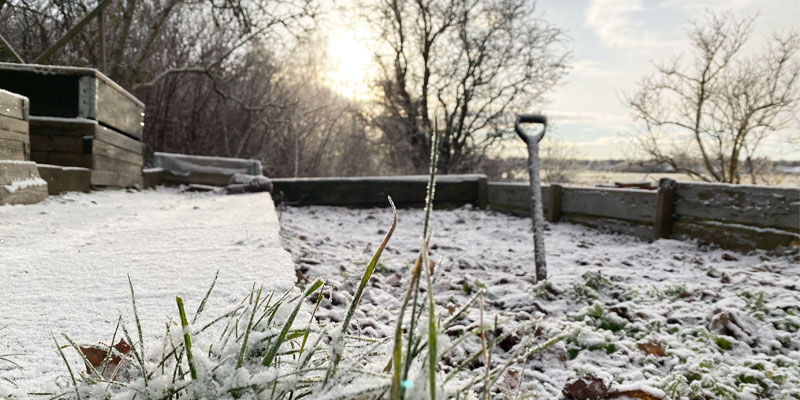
{"x":537,"y":215}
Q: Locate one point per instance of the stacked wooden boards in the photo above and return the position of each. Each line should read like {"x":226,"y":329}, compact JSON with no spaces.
{"x":14,"y":142}
{"x":81,"y":118}
{"x":20,"y":182}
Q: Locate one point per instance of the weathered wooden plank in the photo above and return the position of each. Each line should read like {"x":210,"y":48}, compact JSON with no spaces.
{"x":65,"y":179}
{"x":57,"y":144}
{"x":13,"y":170}
{"x":64,"y":159}
{"x":109,"y":178}
{"x":109,"y":136}
{"x":776,"y":207}
{"x":623,"y":204}
{"x":104,"y":149}
{"x":10,"y":124}
{"x":641,"y":231}
{"x":20,"y":183}
{"x":734,"y":236}
{"x":202,"y":178}
{"x":13,"y":105}
{"x":21,"y":137}
{"x":13,"y":150}
{"x":62,"y":126}
{"x":115,"y":109}
{"x":406,"y":191}
{"x":115,"y":165}
{"x":83,"y":93}
{"x":152,"y":177}
{"x":27,"y":195}
{"x":515,"y":198}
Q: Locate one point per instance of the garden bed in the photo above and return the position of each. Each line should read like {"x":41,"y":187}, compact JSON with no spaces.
{"x":669,"y":317}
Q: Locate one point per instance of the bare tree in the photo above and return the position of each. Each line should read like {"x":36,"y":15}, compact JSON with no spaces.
{"x":460,"y":67}
{"x":559,"y":161}
{"x":717,"y":105}
{"x":211,"y":79}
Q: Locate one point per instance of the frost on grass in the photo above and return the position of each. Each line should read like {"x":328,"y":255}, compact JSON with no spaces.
{"x":669,"y":319}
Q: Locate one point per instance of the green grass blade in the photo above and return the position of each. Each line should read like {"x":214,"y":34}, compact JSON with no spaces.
{"x":202,"y":305}
{"x":138,"y":325}
{"x":71,"y":374}
{"x":311,"y":320}
{"x":187,"y":338}
{"x":360,"y":291}
{"x":273,"y":351}
{"x":432,"y":331}
{"x":249,"y":328}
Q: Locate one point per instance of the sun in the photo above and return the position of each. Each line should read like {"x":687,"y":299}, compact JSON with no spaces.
{"x":350,"y":63}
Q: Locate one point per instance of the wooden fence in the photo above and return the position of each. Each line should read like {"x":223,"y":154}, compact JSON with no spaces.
{"x":741,"y":217}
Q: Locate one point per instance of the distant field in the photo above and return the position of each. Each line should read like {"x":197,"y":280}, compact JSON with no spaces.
{"x":592,"y":178}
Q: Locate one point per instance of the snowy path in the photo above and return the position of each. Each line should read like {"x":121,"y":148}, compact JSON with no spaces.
{"x":64,"y":266}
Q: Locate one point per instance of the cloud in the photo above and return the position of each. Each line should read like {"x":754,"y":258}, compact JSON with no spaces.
{"x":595,"y":69}
{"x":614,"y":22}
{"x":568,"y":117}
{"x":695,"y":5}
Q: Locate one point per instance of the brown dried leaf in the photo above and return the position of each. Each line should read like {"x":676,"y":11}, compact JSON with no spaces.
{"x":96,"y":354}
{"x":651,"y":347}
{"x":633,"y":394}
{"x":585,"y":389}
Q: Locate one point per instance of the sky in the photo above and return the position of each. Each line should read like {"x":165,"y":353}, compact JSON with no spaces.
{"x":614,"y":44}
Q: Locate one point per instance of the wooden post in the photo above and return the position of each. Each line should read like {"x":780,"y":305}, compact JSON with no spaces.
{"x":554,"y":212}
{"x":662,"y":226}
{"x":483,"y":192}
{"x":101,"y":39}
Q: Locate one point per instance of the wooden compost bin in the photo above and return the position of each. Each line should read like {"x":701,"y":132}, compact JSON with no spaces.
{"x":20,"y":182}
{"x":81,"y":118}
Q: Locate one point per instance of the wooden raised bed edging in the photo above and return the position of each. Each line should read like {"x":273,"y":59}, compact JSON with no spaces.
{"x":406,"y":191}
{"x":736,"y":217}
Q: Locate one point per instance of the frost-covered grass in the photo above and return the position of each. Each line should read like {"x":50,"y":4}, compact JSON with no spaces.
{"x":272,"y":347}
{"x":726,"y":323}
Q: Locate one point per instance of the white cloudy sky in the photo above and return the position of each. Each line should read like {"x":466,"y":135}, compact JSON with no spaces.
{"x":614,"y":43}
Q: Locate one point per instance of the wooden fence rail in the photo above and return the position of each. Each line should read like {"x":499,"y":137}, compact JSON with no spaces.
{"x":741,"y":217}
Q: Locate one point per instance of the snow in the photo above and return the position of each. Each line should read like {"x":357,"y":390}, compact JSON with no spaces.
{"x":65,"y":265}
{"x":615,"y":291}
{"x":23,"y":184}
{"x":726,"y":322}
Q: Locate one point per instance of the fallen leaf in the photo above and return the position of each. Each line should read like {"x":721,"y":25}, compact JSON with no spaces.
{"x":96,"y":354}
{"x":585,"y":389}
{"x":653,"y":348}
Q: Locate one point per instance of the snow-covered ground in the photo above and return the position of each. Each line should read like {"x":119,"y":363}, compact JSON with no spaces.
{"x":64,"y":267}
{"x":669,"y":317}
